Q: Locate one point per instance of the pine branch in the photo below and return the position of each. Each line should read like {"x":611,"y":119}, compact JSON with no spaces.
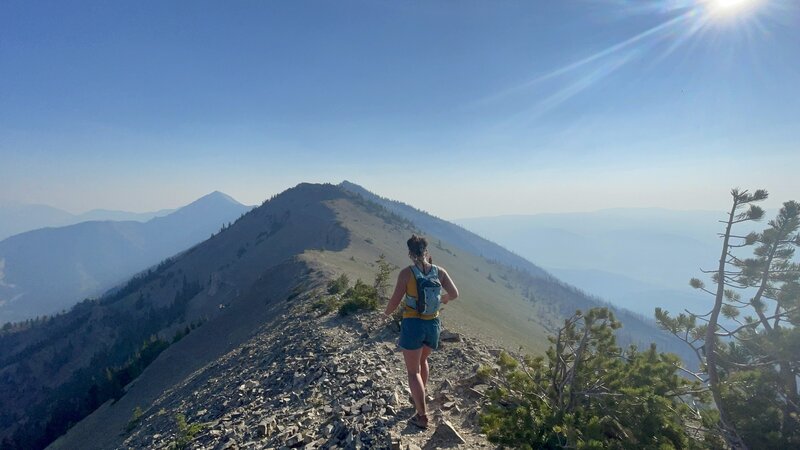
{"x":735,"y":259}
{"x":751,"y":365}
{"x":693,"y":374}
{"x":732,"y":272}
{"x":755,"y":324}
{"x":735,"y":284}
{"x":688,"y":391}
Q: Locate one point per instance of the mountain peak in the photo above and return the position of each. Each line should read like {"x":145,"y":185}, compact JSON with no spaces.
{"x":353,"y":187}
{"x":217,"y":196}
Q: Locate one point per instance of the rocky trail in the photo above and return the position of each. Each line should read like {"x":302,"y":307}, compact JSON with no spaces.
{"x":319,"y":381}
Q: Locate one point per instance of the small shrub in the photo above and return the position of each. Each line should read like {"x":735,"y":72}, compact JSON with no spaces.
{"x":484,"y":373}
{"x":136,"y":417}
{"x":381,"y":283}
{"x":338,"y":285}
{"x":186,"y":432}
{"x":326,"y":304}
{"x":359,"y":297}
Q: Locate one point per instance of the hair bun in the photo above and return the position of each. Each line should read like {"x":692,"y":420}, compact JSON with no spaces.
{"x":417,"y":245}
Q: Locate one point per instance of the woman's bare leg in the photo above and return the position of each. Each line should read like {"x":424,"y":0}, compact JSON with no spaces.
{"x":423,"y":366}
{"x":415,"y":382}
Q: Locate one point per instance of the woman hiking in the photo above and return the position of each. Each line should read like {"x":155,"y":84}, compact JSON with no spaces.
{"x":419,"y":287}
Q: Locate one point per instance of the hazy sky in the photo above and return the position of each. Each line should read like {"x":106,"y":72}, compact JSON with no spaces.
{"x":461,"y":108}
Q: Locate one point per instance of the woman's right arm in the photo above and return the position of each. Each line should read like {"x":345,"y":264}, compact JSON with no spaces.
{"x":399,"y":292}
{"x":449,"y":287}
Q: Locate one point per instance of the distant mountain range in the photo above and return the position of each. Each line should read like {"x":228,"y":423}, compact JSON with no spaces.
{"x":18,"y":218}
{"x":633,"y":258}
{"x":47,"y":270}
{"x":241,"y":282}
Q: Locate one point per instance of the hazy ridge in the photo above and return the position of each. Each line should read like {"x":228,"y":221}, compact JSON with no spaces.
{"x":16,"y":218}
{"x":47,"y":270}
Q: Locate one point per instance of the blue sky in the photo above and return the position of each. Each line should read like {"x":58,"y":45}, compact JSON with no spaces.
{"x":460,"y":108}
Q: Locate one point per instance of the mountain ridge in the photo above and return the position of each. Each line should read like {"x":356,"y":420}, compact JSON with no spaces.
{"x":436,"y":226}
{"x":241,"y":279}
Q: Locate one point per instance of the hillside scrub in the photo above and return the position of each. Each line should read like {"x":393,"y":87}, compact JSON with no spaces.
{"x":751,"y":368}
{"x":136,"y":417}
{"x":339,"y":284}
{"x":359,"y":297}
{"x":381,"y":283}
{"x":588,"y":393}
{"x":186,"y":432}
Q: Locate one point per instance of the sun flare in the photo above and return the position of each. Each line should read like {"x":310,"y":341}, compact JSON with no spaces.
{"x":730,"y":7}
{"x":729,"y":4}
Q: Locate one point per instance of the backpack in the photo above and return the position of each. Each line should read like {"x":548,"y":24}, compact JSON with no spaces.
{"x":429,"y":291}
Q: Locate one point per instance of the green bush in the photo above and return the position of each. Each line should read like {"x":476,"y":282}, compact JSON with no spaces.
{"x":186,"y":432}
{"x":326,"y":305}
{"x":338,"y":285}
{"x":359,"y":297}
{"x":136,"y":417}
{"x":381,"y":283}
{"x":484,"y":373}
{"x":590,"y":394}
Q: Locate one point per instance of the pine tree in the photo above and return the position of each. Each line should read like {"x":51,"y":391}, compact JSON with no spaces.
{"x":751,"y":369}
{"x":381,"y":284}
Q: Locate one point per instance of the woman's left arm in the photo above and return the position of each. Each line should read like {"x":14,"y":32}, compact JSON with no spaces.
{"x":448,"y":285}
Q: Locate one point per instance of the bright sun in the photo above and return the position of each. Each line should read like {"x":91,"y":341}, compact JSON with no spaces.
{"x":730,"y":6}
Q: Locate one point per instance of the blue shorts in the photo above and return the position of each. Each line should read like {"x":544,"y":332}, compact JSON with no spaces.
{"x":415,"y":332}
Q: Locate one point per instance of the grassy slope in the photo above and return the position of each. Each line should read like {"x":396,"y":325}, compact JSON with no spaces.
{"x":487,"y":310}
{"x":555,"y":299}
